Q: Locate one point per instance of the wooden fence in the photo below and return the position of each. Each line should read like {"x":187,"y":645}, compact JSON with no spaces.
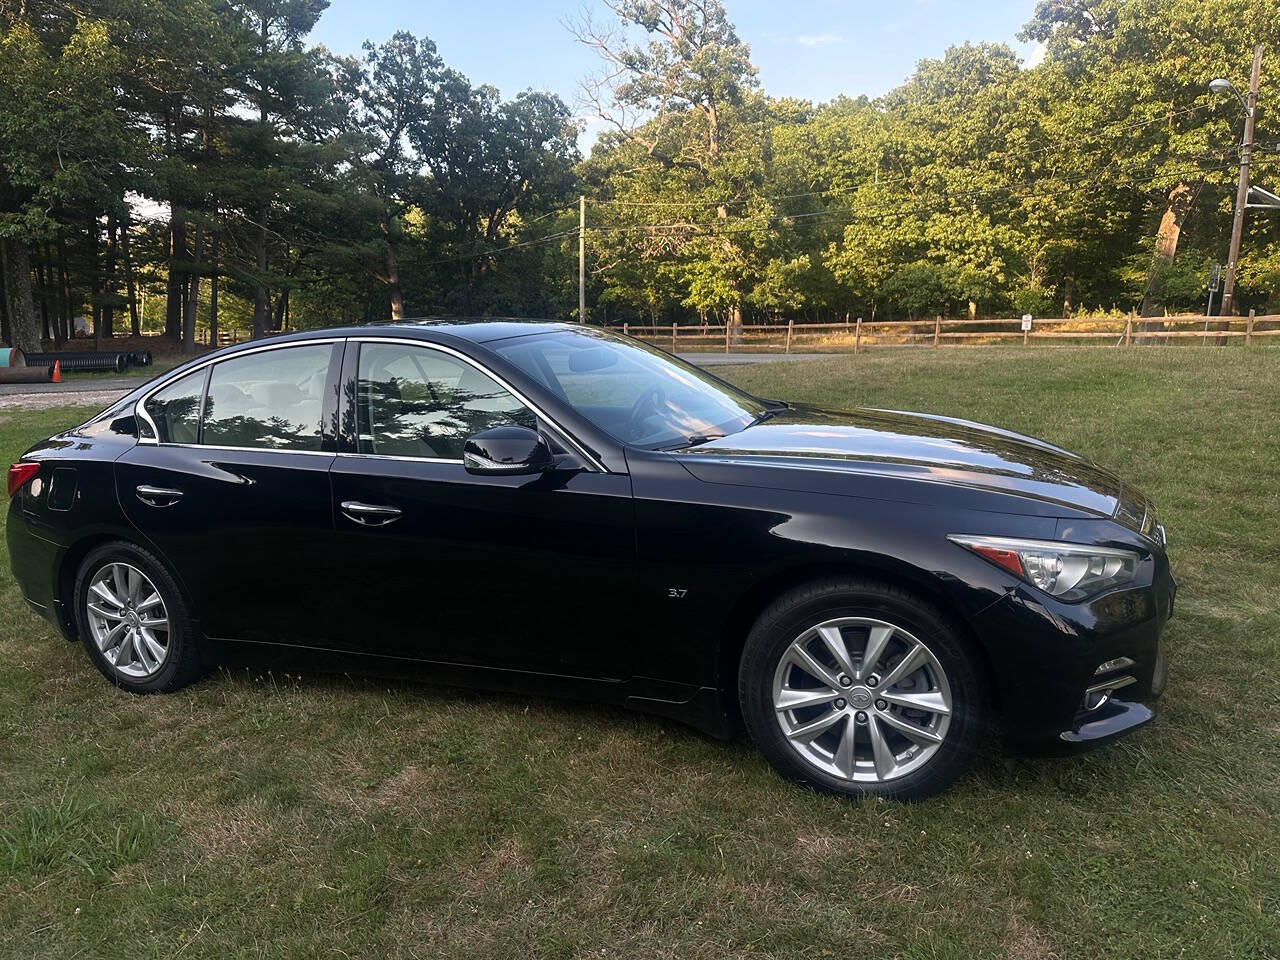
{"x":941,"y":331}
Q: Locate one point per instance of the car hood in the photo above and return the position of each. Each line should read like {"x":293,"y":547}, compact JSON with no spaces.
{"x":915,"y":446}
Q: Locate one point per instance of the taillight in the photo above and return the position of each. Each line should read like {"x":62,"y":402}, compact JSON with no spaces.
{"x":20,"y":473}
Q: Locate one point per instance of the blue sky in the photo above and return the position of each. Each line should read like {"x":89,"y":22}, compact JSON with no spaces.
{"x":815,"y":49}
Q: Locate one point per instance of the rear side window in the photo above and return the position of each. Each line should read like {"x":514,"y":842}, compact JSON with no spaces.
{"x":418,"y":402}
{"x":176,"y":409}
{"x":273,"y":400}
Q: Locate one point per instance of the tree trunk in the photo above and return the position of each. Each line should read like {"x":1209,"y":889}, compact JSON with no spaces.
{"x":1068,"y":284}
{"x":277,"y":315}
{"x":735,"y":323}
{"x":43,"y":285}
{"x":213,"y":290}
{"x":1175,"y":215}
{"x":95,"y":284}
{"x":173,"y":290}
{"x":131,"y":289}
{"x":393,"y":265}
{"x":64,"y":288}
{"x":261,"y":295}
{"x":393,"y":279}
{"x":4,"y":306}
{"x":54,"y":286}
{"x":24,"y":332}
{"x":109,"y":281}
{"x":193,"y":298}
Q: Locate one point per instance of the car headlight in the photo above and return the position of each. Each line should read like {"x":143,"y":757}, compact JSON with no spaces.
{"x":1069,"y":571}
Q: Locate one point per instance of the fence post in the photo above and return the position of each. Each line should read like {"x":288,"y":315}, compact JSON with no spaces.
{"x":790,"y":324}
{"x":726,"y":335}
{"x":1128,"y":330}
{"x":674,"y":328}
{"x":1248,"y":329}
{"x":937,"y":328}
{"x":857,"y":335}
{"x":626,"y":328}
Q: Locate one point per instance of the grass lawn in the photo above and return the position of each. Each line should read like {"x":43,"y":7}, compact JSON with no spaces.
{"x":328,"y":817}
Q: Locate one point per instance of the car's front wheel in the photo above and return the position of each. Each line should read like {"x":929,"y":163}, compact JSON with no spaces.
{"x":134,"y":621}
{"x":861,"y":687}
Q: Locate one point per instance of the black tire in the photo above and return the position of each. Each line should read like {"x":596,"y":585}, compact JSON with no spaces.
{"x":183,"y":664}
{"x":788,"y":617}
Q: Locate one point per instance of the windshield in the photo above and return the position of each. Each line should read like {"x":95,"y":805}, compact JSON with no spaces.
{"x":634,"y":393}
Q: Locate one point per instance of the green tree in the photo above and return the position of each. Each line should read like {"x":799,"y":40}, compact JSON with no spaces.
{"x":59,"y":139}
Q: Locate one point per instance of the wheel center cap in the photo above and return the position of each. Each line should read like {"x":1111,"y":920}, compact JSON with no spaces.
{"x":133,"y":619}
{"x":860,"y":697}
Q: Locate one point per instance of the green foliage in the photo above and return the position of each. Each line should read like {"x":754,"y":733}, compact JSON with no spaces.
{"x":388,"y":184}
{"x":59,"y":131}
{"x":1033,"y":299}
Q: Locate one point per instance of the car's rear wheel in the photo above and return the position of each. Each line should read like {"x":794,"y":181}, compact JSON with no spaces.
{"x":133,"y":620}
{"x":861,"y":687}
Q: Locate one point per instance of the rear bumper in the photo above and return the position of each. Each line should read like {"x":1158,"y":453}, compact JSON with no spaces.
{"x":34,"y":562}
{"x":1071,"y":677}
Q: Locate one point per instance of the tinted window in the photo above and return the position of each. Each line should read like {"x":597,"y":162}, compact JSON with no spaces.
{"x":272,"y":399}
{"x":418,"y":402}
{"x":635,"y":393}
{"x":176,"y":409}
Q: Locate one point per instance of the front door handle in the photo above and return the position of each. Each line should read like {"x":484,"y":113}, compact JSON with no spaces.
{"x":157,"y":496}
{"x":370,"y":514}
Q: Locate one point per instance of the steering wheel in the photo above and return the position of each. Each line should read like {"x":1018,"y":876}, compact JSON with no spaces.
{"x":648,"y":402}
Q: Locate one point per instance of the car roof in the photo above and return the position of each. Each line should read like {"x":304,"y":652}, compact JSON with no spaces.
{"x":473,"y":329}
{"x":476,"y":329}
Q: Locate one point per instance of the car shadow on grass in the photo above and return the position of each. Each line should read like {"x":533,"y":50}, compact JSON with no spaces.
{"x":420,"y":699}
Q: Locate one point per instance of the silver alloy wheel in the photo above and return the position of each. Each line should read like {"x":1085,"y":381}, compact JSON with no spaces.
{"x":128,"y":619}
{"x":862,"y":699}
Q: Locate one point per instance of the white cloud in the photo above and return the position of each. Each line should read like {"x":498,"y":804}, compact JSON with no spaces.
{"x":819,"y":40}
{"x":1036,"y":57}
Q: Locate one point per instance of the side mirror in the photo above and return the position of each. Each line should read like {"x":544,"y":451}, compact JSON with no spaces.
{"x":507,"y":450}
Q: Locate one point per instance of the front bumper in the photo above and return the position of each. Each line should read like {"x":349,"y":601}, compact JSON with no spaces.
{"x":1046,"y":658}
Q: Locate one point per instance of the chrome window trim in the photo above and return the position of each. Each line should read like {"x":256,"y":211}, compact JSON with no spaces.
{"x":214,"y":446}
{"x":139,"y":408}
{"x":396,"y":456}
{"x":564,"y":434}
{"x":141,"y":412}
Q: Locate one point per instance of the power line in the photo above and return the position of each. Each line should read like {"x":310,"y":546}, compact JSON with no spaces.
{"x":888,"y":208}
{"x":1118,"y":126}
{"x":498,"y":251}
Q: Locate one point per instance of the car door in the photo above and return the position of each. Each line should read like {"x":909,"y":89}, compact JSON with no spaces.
{"x":533,"y":573}
{"x":232,"y":489}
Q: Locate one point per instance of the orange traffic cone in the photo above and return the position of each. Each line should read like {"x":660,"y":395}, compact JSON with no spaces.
{"x":56,"y":376}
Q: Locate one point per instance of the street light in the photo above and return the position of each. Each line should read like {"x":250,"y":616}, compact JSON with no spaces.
{"x":1219,"y":87}
{"x":1222,"y":86}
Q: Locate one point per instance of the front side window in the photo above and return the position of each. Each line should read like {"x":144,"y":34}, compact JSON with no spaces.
{"x":636,"y":394}
{"x":418,"y":402}
{"x":271,"y":400}
{"x":176,"y":409}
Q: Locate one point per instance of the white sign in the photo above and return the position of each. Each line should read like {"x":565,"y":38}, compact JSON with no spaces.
{"x":1026,"y":322}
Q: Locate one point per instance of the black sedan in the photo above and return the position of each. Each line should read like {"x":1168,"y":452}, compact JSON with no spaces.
{"x":549,"y":508}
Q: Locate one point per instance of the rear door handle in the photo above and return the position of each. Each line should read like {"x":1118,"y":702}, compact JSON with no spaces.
{"x":157,"y":496}
{"x":370,"y":514}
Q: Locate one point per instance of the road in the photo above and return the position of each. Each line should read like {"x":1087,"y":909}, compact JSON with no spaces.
{"x":99,"y":391}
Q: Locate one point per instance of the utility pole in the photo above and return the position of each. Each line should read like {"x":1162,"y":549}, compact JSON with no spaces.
{"x":1242,"y":191}
{"x":581,"y":255}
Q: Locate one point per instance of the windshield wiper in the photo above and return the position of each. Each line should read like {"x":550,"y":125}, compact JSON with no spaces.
{"x":692,"y":441}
